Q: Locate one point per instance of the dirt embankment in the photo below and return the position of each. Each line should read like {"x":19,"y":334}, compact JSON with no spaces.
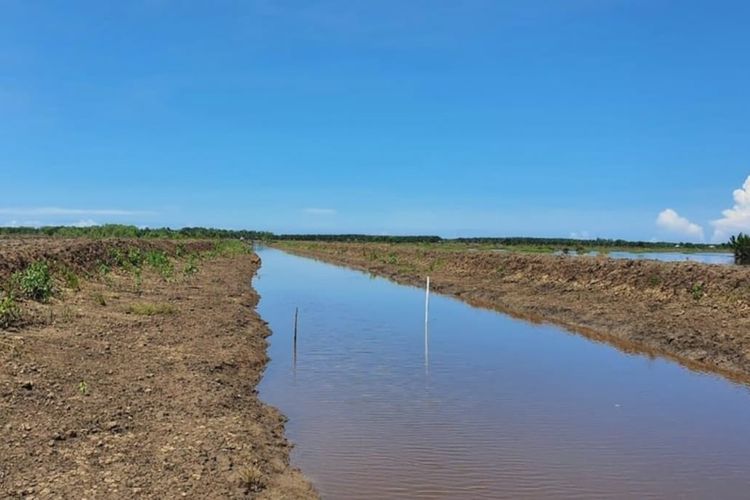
{"x":139,"y":386}
{"x":695,"y":313}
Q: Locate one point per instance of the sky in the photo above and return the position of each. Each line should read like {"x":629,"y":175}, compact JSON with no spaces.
{"x":583,"y":118}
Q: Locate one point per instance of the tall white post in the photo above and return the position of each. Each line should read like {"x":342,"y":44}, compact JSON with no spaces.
{"x":294,"y":348}
{"x":427,"y":301}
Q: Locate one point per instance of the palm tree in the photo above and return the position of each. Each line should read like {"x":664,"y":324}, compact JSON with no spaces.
{"x":741,"y":246}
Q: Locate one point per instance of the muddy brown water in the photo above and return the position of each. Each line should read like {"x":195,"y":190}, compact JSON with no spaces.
{"x":497,"y":408}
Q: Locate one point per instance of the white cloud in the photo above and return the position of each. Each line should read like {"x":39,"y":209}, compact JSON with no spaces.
{"x":84,"y":223}
{"x":57,"y":211}
{"x":320,"y":211}
{"x":736,"y":219}
{"x":583,"y":235}
{"x":22,"y":223}
{"x":672,"y":222}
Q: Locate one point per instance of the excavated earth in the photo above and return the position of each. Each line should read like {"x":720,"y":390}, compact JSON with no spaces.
{"x":697,"y":314}
{"x":139,"y":389}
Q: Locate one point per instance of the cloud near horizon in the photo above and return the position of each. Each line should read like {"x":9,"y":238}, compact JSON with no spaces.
{"x":672,"y":222}
{"x":736,"y":219}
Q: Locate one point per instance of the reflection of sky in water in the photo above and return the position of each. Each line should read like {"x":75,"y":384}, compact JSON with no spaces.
{"x":506,"y":409}
{"x":704,"y":257}
{"x":707,"y":258}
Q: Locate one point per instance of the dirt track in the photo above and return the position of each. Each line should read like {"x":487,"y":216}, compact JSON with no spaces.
{"x":695,"y":313}
{"x":116,"y":392}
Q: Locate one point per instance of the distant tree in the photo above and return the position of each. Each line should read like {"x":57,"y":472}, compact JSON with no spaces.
{"x":741,"y":246}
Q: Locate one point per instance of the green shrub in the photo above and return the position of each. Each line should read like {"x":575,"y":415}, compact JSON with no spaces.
{"x":697,"y":291}
{"x":740,"y":244}
{"x":10,"y":313}
{"x":34,"y":282}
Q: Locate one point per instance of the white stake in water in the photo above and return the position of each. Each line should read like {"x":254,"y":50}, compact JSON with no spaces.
{"x":294,"y":348}
{"x":426,"y":321}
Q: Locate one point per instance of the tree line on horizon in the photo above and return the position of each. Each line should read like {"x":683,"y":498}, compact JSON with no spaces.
{"x":129,"y":231}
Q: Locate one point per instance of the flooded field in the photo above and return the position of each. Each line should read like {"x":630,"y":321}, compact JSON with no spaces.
{"x":495,"y":408}
{"x":704,"y":257}
{"x":723,"y":258}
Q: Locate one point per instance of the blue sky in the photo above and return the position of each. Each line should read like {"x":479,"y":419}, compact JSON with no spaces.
{"x":539,"y":118}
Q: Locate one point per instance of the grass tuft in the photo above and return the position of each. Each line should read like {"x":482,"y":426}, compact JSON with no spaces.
{"x":148,"y":309}
{"x":99,"y":299}
{"x":252,"y":478}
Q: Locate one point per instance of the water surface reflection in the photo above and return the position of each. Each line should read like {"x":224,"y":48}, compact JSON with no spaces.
{"x":506,"y":409}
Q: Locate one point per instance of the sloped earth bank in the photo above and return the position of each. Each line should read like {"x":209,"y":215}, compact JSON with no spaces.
{"x":119,"y":391}
{"x":697,"y":314}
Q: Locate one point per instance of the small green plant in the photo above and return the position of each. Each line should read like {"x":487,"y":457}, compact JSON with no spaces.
{"x":740,"y":244}
{"x":697,"y":291}
{"x":146,"y":309}
{"x":191,"y":267}
{"x":135,"y":257}
{"x":83,"y":387}
{"x":10,"y":313}
{"x":118,"y":257}
{"x":160,"y":262}
{"x":34,"y":282}
{"x":104,"y":270}
{"x":654,"y":280}
{"x":71,"y":279}
{"x":138,"y":280}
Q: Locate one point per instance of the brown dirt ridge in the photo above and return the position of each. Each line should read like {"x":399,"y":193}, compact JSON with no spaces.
{"x":139,"y":387}
{"x":697,"y":314}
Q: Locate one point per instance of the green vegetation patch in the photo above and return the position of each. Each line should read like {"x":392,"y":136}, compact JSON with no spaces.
{"x":10,"y":313}
{"x":148,"y":309}
{"x":231,"y":247}
{"x":160,"y":262}
{"x":34,"y":282}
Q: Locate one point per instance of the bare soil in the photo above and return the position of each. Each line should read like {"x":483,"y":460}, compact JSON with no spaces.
{"x":118,"y":390}
{"x":697,"y":314}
